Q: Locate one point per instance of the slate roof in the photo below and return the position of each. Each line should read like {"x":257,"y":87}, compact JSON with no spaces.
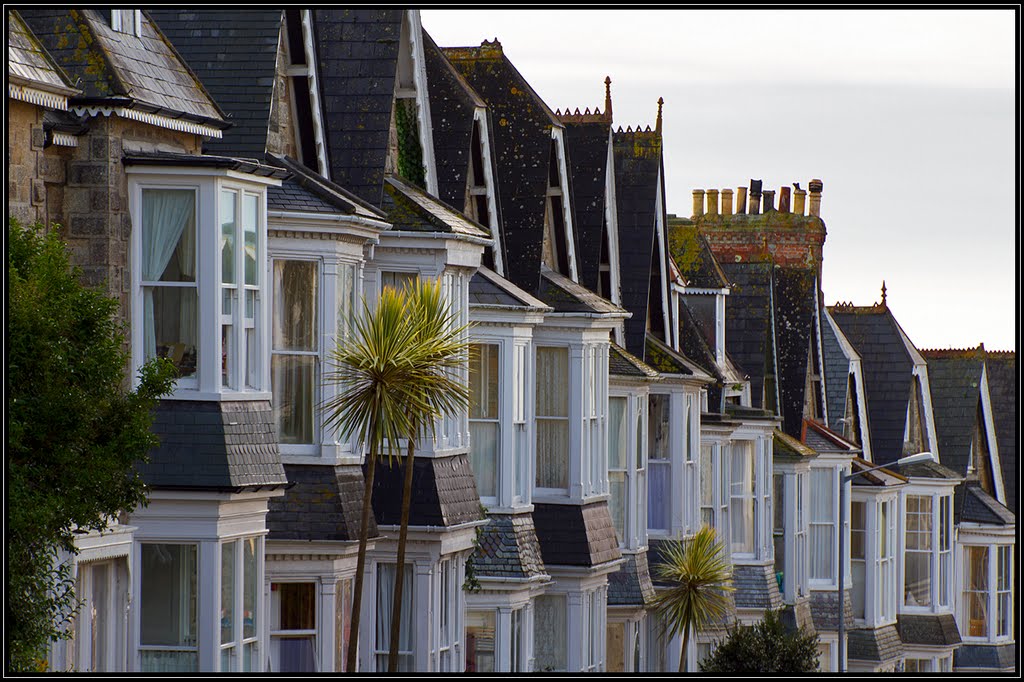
{"x":748,"y":322}
{"x":574,"y":535}
{"x":587,"y":154}
{"x":788,"y":449}
{"x":666,"y":360}
{"x":825,"y":610}
{"x":321,"y":503}
{"x":1003,"y":387}
{"x":836,"y":369}
{"x":887,"y":368}
{"x":972,"y":504}
{"x":357,"y":54}
{"x":878,"y":645}
{"x":955,"y":382}
{"x":986,"y":656}
{"x":623,"y":363}
{"x":794,"y":300}
{"x":930,"y":629}
{"x":924,"y":470}
{"x":28,"y":62}
{"x":566,"y":296}
{"x":214,"y":445}
{"x":638,"y":161}
{"x":824,"y":439}
{"x":693,"y":256}
{"x":143,"y":73}
{"x":631,"y":585}
{"x":878,"y":477}
{"x":488,"y":288}
{"x":507,"y":547}
{"x":307,"y":192}
{"x":443,"y":491}
{"x":756,"y":587}
{"x":234,"y":54}
{"x":411,"y":209}
{"x":522,"y":145}
{"x":693,"y":341}
{"x":250,"y":166}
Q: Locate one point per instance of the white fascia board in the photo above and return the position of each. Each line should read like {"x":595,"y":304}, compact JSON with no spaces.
{"x":25,"y":92}
{"x":158,"y":120}
{"x":487,"y":315}
{"x":687,"y":290}
{"x":820,"y":351}
{"x":990,"y":433}
{"x":611,"y":219}
{"x":921,"y":372}
{"x":314,"y":93}
{"x":422,"y":99}
{"x":480,"y":116}
{"x":168,"y":172}
{"x":557,"y":134}
{"x":659,"y":234}
{"x":358,"y":227}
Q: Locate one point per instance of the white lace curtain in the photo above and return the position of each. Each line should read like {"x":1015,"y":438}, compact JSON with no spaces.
{"x":385,"y":603}
{"x":168,"y":219}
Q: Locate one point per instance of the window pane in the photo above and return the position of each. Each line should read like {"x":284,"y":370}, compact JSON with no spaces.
{"x":480,"y":627}
{"x":249,"y":225}
{"x":295,"y":305}
{"x":346,"y":293}
{"x":294,"y":395}
{"x":298,"y":605}
{"x":618,"y":433}
{"x":227,"y":592}
{"x":550,"y":633}
{"x":169,"y":592}
{"x":658,"y":495}
{"x":249,"y":588}
{"x":741,"y":508}
{"x":552,"y":401}
{"x":483,"y":381}
{"x":171,"y":324}
{"x":228,"y":209}
{"x":617,"y":502}
{"x":168,"y":235}
{"x":918,"y":578}
{"x":484,"y":456}
{"x":552,"y":382}
{"x":658,"y":427}
{"x":616,"y":647}
{"x":385,"y":600}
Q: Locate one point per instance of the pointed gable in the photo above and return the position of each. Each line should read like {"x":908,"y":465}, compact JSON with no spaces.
{"x":795,"y":290}
{"x":749,"y":333}
{"x":235,"y":55}
{"x":586,"y":140}
{"x":1004,"y":386}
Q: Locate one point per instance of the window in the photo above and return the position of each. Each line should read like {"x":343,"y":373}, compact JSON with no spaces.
{"x":552,"y":417}
{"x":822,"y":524}
{"x":293,"y":628}
{"x":294,"y":364}
{"x":1004,"y":591}
{"x":886,"y":599}
{"x":170,"y":291}
{"x":240,"y":289}
{"x":397,"y":280}
{"x":517,"y":641}
{"x":480,"y":652}
{"x":168,"y":625}
{"x":976,"y":590}
{"x":484,"y":427}
{"x":238,"y":606}
{"x":618,"y":459}
{"x":741,"y":498}
{"x":779,"y":523}
{"x":99,"y":639}
{"x":126,"y":21}
{"x":918,"y":559}
{"x":945,"y":549}
{"x":521,"y":453}
{"x":595,"y":368}
{"x":800,"y":543}
{"x":858,"y":554}
{"x":550,"y":633}
{"x":707,"y":486}
{"x":445,"y":607}
{"x":385,"y":602}
{"x":659,"y":464}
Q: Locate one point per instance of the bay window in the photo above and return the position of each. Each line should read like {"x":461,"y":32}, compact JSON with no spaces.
{"x":520,"y":447}
{"x":822,"y":524}
{"x":976,"y":590}
{"x":552,"y":417}
{"x":293,"y":628}
{"x":595,"y":368}
{"x":295,"y":358}
{"x":1004,"y":591}
{"x":239,"y":613}
{"x":945,"y":550}
{"x":480,"y":646}
{"x":800,"y":543}
{"x":385,"y":601}
{"x":742,"y":500}
{"x":987,"y":600}
{"x":484,"y":426}
{"x":918,"y":557}
{"x":550,"y":631}
{"x":240,"y":288}
{"x":626,"y":469}
{"x":168,"y":614}
{"x":659,"y":464}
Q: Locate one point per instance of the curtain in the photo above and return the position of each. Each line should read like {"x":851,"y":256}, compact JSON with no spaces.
{"x":658,"y":498}
{"x":297,"y":654}
{"x":188,"y":315}
{"x":550,"y":633}
{"x":617,"y":433}
{"x":483,"y":437}
{"x":165,"y":215}
{"x":552,"y":401}
{"x":385,"y":602}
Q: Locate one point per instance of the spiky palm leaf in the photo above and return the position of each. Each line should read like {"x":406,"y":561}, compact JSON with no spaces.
{"x":699,"y":577}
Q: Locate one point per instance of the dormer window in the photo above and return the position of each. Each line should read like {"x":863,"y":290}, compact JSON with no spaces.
{"x":913,"y":432}
{"x":305,"y":99}
{"x":127,"y":21}
{"x":558,"y":249}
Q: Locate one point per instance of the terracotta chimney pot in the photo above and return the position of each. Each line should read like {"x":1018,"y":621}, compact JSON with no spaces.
{"x":784,"y":200}
{"x":726,"y":202}
{"x":799,"y":201}
{"x":741,"y":200}
{"x":815,"y":188}
{"x":769,"y":200}
{"x":698,"y":203}
{"x":712,"y":195}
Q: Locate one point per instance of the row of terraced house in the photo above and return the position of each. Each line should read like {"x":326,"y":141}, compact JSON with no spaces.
{"x":241,"y":181}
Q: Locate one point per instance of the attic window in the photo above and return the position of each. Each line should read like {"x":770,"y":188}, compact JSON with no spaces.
{"x":555,"y":250}
{"x":913,"y":433}
{"x":851,"y":420}
{"x":476,"y":189}
{"x":127,"y":21}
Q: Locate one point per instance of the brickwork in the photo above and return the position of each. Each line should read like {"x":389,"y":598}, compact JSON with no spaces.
{"x":786,"y":239}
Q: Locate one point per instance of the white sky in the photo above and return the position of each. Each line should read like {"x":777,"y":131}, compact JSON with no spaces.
{"x":907,"y":116}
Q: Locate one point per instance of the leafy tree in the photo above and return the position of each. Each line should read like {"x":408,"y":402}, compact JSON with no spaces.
{"x":699,"y":576}
{"x":765,"y":647}
{"x":74,"y":433}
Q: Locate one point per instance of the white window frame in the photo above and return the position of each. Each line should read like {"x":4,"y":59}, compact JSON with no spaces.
{"x":744,"y":494}
{"x":237,"y":646}
{"x":278,"y":633}
{"x":127,"y":21}
{"x":941,"y":505}
{"x":193,"y":648}
{"x":661,"y":463}
{"x":547,"y":491}
{"x":831,"y":523}
{"x":498,"y":349}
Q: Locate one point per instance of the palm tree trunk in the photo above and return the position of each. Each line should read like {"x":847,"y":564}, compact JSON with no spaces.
{"x":403,"y":533}
{"x":682,"y":651}
{"x":357,"y":592}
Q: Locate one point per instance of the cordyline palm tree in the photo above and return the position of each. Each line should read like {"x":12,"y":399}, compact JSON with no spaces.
{"x":442,"y":348}
{"x":699,"y":576}
{"x":388,"y":373}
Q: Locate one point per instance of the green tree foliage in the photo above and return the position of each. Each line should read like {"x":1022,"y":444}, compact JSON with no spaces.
{"x":410,"y":152}
{"x":765,"y":647}
{"x":699,"y":578}
{"x":74,"y":432}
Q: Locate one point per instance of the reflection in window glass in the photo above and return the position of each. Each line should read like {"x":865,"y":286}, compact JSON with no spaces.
{"x":918,"y":558}
{"x":294,"y":360}
{"x":480,"y":652}
{"x":293,"y":627}
{"x":168,"y":609}
{"x":552,"y":417}
{"x":483,"y":417}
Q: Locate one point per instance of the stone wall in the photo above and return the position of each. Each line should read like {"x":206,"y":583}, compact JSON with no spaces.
{"x":35,"y":176}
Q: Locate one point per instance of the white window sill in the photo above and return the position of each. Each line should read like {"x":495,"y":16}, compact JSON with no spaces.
{"x":220,"y":396}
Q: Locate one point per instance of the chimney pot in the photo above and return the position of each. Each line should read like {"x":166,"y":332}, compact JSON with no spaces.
{"x":726,"y":202}
{"x":799,"y":201}
{"x":698,"y":203}
{"x":769,"y":200}
{"x":815,"y":187}
{"x":784,"y":200}
{"x":712,"y":201}
{"x":755,"y":197}
{"x":741,"y":200}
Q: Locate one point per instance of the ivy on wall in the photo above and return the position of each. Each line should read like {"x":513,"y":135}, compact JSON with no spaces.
{"x":410,"y":153}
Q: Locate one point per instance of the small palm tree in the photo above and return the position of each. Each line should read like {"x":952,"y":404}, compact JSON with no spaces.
{"x":441,"y":348}
{"x":376,"y":369}
{"x":697,"y":570}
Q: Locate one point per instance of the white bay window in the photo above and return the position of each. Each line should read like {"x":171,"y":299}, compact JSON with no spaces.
{"x":294,"y":363}
{"x":659,"y":463}
{"x":743,"y":499}
{"x":627,"y":469}
{"x":552,"y":417}
{"x":823,"y":524}
{"x":927,"y":557}
{"x":484,"y":424}
{"x":987,"y":600}
{"x":239,"y":613}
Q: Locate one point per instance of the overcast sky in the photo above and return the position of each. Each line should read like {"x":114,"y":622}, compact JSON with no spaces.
{"x":906,"y":116}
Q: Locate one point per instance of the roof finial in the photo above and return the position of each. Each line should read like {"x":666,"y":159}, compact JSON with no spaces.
{"x":883,"y":292}
{"x":608,"y":96}
{"x":657,"y":126}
